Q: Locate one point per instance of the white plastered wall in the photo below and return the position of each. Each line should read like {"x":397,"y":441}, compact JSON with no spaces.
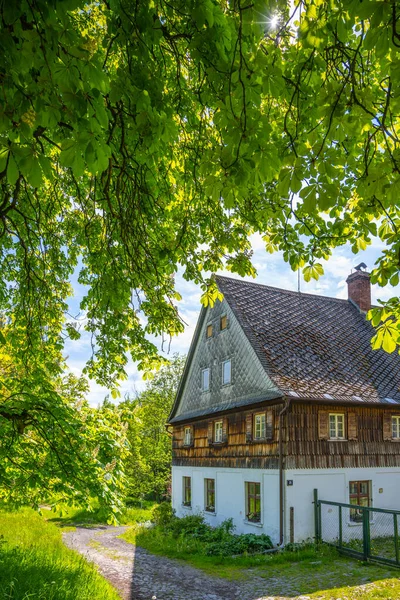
{"x":333,"y":485}
{"x":230,"y":497}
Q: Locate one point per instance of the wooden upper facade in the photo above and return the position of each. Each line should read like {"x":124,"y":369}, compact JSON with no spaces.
{"x":368,"y":438}
{"x":301,"y":370}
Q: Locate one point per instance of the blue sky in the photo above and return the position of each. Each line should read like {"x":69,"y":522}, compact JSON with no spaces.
{"x":272,"y":270}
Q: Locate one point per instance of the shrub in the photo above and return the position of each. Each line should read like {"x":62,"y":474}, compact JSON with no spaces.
{"x":163,"y":514}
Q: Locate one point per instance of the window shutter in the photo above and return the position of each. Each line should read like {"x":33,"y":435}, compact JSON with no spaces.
{"x":323,"y":425}
{"x":387,"y":426}
{"x":269,"y":424}
{"x":249,"y":427}
{"x":352,"y":426}
{"x":224,"y":430}
{"x":210,"y":432}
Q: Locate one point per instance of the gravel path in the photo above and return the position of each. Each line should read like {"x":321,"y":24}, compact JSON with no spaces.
{"x":139,"y":575}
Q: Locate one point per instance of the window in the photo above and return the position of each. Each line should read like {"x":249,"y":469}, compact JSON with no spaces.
{"x":209,"y":331}
{"x":360,"y":495}
{"x":187,"y":491}
{"x":223,"y":323}
{"x":218,"y":431}
{"x":396,"y":428}
{"x":253,"y":502}
{"x":259,"y":426}
{"x":205,"y":380}
{"x":336,"y":427}
{"x":187,"y":440}
{"x":210,"y":495}
{"x":226,"y":372}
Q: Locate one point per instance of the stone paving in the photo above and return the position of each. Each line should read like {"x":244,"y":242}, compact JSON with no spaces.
{"x":139,"y":575}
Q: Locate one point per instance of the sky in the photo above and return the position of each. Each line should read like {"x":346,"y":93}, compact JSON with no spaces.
{"x":272,"y":270}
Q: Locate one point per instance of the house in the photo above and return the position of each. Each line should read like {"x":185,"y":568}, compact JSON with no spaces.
{"x":282,"y":394}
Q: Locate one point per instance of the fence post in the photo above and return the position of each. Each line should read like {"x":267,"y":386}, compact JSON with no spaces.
{"x":340,"y":527}
{"x":396,"y":537}
{"x":366,"y":534}
{"x":316,"y":517}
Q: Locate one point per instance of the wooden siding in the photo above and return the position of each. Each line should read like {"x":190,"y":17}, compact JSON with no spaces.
{"x":304,"y":443}
{"x":234,"y":452}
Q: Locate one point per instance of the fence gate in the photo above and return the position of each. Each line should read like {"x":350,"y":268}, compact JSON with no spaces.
{"x":363,"y":532}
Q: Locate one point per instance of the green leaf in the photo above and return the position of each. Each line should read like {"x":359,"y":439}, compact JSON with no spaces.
{"x":12,"y":171}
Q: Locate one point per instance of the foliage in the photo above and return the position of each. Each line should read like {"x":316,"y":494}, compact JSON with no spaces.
{"x":148,"y":463}
{"x":200,"y":538}
{"x":51,"y":442}
{"x":139,"y":137}
{"x":74,"y":515}
{"x":34,"y":563}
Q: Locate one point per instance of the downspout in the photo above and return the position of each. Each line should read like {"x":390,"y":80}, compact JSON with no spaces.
{"x":281,"y":469}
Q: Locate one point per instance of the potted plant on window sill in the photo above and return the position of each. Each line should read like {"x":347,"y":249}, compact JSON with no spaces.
{"x":254,"y":517}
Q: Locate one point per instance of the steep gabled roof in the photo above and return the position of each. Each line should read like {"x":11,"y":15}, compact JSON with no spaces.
{"x":313,"y":346}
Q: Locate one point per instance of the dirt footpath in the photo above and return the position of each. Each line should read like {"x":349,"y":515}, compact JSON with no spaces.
{"x":139,"y":575}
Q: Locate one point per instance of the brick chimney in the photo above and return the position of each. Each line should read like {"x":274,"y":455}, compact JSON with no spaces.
{"x":359,"y":288}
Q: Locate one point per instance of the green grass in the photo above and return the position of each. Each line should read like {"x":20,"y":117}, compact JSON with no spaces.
{"x":319,"y":573}
{"x":35,"y":564}
{"x":74,"y":515}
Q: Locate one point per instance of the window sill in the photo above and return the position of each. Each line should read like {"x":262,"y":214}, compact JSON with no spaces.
{"x":358,"y":523}
{"x":210,"y":513}
{"x":187,"y":446}
{"x":185,"y":506}
{"x":217,"y":444}
{"x":338,"y":440}
{"x":253,"y":523}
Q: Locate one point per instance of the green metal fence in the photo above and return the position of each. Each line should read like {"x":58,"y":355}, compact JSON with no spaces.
{"x":364,"y":532}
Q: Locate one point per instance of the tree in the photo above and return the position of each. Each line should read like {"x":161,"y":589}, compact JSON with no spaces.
{"x":148,"y":464}
{"x":139,"y":136}
{"x":53,"y":446}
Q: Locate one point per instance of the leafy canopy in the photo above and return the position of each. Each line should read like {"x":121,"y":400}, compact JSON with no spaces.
{"x":137,"y":137}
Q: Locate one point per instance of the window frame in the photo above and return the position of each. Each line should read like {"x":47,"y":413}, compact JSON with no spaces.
{"x":219,"y":430}
{"x":223,"y":319}
{"x":210,"y":508}
{"x":186,"y":491}
{"x":359,"y":495}
{"x":260,"y":437}
{"x":253,"y":516}
{"x":225,"y":362}
{"x":396,"y":419}
{"x":336,"y":437}
{"x":204,"y":389}
{"x":186,"y":429}
{"x":209,"y":328}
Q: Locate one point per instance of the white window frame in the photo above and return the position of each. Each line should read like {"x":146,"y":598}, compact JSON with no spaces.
{"x":336,"y":417}
{"x":260,"y":426}
{"x":203,"y":371}
{"x":184,"y":502}
{"x":225,"y":362}
{"x":218,"y":428}
{"x":187,"y":440}
{"x":259,"y":522}
{"x":396,"y":427}
{"x":207,"y":506}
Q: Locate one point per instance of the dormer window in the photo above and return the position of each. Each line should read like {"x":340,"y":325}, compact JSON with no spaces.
{"x":205,"y":380}
{"x":336,"y":427}
{"x":223,"y":322}
{"x":226,"y":372}
{"x":209,"y":331}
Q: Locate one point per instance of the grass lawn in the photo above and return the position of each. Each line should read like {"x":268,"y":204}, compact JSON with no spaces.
{"x":316,"y":573}
{"x":35,"y":564}
{"x":68,"y":515}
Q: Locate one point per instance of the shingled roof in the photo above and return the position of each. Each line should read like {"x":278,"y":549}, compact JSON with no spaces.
{"x":313,"y":347}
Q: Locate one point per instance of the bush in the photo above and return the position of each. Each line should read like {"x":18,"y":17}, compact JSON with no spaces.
{"x":212,"y":541}
{"x":163,"y":514}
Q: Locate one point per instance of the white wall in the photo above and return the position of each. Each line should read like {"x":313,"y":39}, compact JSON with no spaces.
{"x":230,"y":497}
{"x":333,"y":484}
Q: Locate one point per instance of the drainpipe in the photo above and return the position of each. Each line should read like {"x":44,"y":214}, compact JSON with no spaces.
{"x":281,"y":477}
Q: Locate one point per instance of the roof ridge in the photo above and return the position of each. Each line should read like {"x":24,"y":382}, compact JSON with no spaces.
{"x":276,"y":289}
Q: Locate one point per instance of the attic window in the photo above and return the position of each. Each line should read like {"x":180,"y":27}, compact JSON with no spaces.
{"x":396,"y":427}
{"x":336,"y":426}
{"x":223,"y":322}
{"x":205,"y":380}
{"x":226,"y":372}
{"x":209,"y":331}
